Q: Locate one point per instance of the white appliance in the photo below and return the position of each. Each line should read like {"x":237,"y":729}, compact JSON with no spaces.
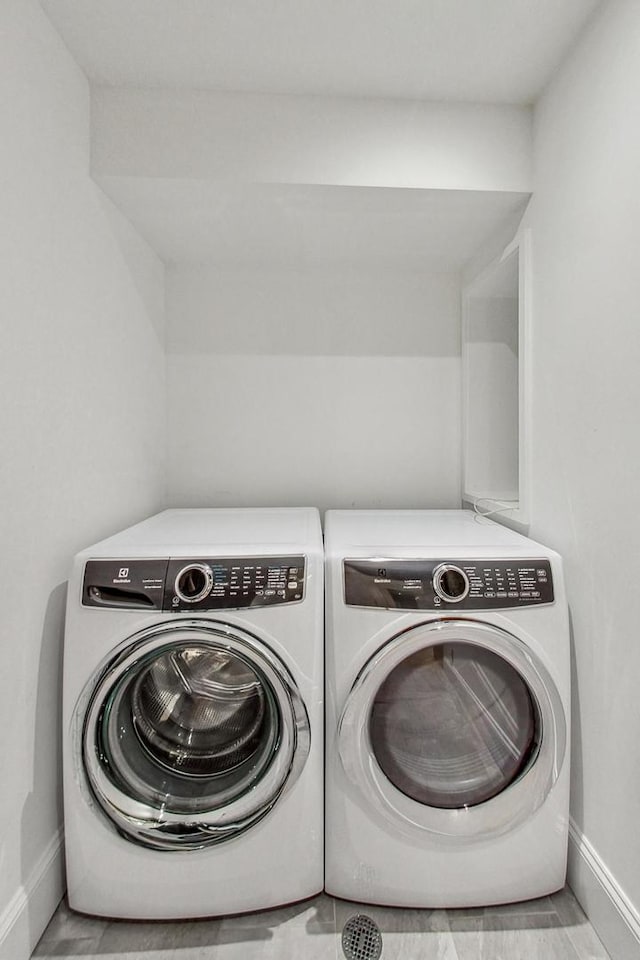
{"x":447,"y":737}
{"x":193,"y":715}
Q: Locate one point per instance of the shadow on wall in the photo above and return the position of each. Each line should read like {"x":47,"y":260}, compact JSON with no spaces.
{"x":577,"y":789}
{"x":44,"y":802}
{"x":136,"y":260}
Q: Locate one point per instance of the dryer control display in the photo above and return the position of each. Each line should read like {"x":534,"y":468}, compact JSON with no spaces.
{"x":447,"y":584}
{"x":194,"y":584}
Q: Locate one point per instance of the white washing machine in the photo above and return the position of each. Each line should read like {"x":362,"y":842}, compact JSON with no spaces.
{"x":447,"y":737}
{"x":193,"y":715}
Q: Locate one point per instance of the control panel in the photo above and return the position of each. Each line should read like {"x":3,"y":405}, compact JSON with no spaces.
{"x":447,"y":584}
{"x":191,"y":585}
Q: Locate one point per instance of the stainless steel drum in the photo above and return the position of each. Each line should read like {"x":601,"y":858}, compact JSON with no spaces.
{"x":191,"y":733}
{"x":199,"y":710}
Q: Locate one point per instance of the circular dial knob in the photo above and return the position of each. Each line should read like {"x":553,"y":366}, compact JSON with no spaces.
{"x":194,"y":582}
{"x":450,"y":583}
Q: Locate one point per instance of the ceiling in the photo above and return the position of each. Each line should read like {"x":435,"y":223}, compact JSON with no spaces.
{"x":478,"y":51}
{"x":499,"y":51}
{"x":285,"y":225}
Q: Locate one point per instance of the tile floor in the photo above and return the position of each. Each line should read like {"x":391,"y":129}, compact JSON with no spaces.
{"x":551,"y":928}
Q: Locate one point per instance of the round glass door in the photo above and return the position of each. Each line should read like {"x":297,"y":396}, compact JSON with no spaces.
{"x":453,"y":725}
{"x":191,"y":735}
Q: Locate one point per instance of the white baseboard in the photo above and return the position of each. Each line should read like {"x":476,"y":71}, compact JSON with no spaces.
{"x":24,"y":920}
{"x":611,"y":914}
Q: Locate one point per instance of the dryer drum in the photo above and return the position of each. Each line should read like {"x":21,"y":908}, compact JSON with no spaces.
{"x":453,"y":725}
{"x":201,"y":711}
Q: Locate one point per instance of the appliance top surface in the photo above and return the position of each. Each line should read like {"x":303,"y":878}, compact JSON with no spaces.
{"x":375,"y":532}
{"x":242,"y":530}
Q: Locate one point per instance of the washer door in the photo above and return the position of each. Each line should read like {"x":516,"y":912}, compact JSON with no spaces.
{"x":191,"y":734}
{"x":453,"y":727}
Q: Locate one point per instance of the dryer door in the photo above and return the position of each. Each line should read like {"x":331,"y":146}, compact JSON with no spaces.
{"x":191,"y":734}
{"x":454,"y":727}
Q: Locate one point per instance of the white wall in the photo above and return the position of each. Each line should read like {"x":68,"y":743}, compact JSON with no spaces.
{"x":585,"y":219}
{"x":264,"y":138}
{"x":327,"y":386}
{"x":82,"y":421}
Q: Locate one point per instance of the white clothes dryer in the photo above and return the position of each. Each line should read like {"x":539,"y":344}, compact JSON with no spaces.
{"x":193,"y":715}
{"x":447,"y":737}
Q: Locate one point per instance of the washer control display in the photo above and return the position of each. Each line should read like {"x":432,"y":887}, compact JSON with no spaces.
{"x":196,"y":584}
{"x":447,"y":584}
{"x":235,"y":582}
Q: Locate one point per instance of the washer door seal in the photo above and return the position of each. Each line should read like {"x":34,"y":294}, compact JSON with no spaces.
{"x":190,"y":734}
{"x":474,"y":778}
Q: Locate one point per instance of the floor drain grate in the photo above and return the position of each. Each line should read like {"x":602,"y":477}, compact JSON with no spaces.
{"x":361,"y":938}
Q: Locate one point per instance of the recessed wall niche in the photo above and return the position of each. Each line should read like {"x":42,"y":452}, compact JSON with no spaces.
{"x":496,"y":384}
